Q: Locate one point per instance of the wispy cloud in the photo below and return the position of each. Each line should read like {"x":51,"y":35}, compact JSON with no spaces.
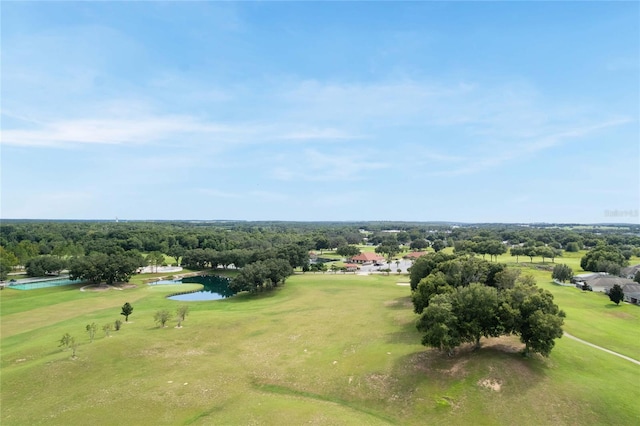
{"x":149,"y":128}
{"x":522,"y":149}
{"x":109,"y":131}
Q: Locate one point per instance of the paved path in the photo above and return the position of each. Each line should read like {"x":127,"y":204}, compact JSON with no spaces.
{"x":635,"y":361}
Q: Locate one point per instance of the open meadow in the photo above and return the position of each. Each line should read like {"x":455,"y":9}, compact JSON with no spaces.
{"x":323,"y":349}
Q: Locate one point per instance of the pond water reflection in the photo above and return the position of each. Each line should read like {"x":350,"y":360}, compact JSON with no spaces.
{"x":215,"y":288}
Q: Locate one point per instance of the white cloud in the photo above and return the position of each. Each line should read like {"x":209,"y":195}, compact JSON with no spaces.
{"x":525,"y":148}
{"x":109,"y":131}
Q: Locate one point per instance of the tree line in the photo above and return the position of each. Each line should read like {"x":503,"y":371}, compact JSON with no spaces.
{"x":44,"y":246}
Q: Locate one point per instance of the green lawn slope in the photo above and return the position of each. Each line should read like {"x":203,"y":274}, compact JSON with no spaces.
{"x":324,"y":349}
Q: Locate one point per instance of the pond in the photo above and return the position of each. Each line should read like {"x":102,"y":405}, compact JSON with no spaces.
{"x":36,"y":283}
{"x":215,"y":288}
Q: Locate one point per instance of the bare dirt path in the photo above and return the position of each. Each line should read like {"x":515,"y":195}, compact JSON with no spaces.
{"x":635,"y":361}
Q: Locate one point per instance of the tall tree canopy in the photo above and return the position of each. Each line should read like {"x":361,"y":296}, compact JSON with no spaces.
{"x":603,"y":258}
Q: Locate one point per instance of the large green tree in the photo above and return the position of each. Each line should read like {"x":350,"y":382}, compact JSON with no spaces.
{"x":438,"y":245}
{"x":517,"y":252}
{"x":431,"y":285}
{"x":529,"y":312}
{"x":7,"y":261}
{"x":154,"y":259}
{"x":426,"y":264}
{"x":45,"y":265}
{"x":261,"y":275}
{"x":388,"y":249}
{"x":176,"y":251}
{"x":440,"y":325}
{"x":419,"y":244}
{"x":603,"y":258}
{"x":104,"y":268}
{"x":348,"y":251}
{"x":476,"y":309}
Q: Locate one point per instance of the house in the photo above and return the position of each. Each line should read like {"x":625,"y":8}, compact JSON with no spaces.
{"x":366,"y":258}
{"x":351,"y":267}
{"x":630,"y":271}
{"x":632,"y":293}
{"x":600,"y":281}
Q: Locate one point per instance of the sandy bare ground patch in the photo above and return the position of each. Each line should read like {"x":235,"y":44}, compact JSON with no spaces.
{"x":492,"y":384}
{"x":457,"y":369}
{"x":404,"y":284}
{"x":508,"y":344}
{"x":97,"y":287}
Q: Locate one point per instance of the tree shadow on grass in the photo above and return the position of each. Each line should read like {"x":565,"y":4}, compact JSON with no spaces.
{"x":612,"y":306}
{"x":249,"y":297}
{"x":399,"y":303}
{"x":499,"y":362}
{"x":406,"y":334}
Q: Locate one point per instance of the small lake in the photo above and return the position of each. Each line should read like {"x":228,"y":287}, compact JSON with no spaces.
{"x":215,"y":288}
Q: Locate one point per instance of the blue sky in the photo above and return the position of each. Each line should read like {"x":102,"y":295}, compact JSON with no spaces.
{"x":463,"y":111}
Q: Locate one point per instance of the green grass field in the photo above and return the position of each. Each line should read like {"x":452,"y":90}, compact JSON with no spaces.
{"x":324,"y":349}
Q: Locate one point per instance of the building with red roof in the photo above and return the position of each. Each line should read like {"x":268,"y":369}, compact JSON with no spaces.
{"x":366,"y":258}
{"x":414,"y":254}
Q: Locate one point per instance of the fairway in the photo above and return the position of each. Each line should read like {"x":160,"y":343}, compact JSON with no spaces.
{"x":323,"y":349}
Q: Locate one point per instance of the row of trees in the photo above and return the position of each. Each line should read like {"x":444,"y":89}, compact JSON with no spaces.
{"x":161,"y":317}
{"x":296,"y":255}
{"x":461,"y":298}
{"x":481,"y":246}
{"x":544,"y":252}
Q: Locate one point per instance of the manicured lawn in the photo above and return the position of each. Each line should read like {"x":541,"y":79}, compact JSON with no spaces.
{"x":593,"y":317}
{"x":324,"y":349}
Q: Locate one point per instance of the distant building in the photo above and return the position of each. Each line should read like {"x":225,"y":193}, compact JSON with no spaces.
{"x":603,"y":282}
{"x":366,"y":258}
{"x":630,"y":271}
{"x":632,"y":293}
{"x":600,"y":281}
{"x":351,"y":267}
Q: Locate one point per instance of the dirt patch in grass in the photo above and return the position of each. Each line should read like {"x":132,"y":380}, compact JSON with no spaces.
{"x":382,"y":386}
{"x":102,"y":287}
{"x":456,"y":370}
{"x":492,"y":384}
{"x":126,"y":286}
{"x":422,"y":361}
